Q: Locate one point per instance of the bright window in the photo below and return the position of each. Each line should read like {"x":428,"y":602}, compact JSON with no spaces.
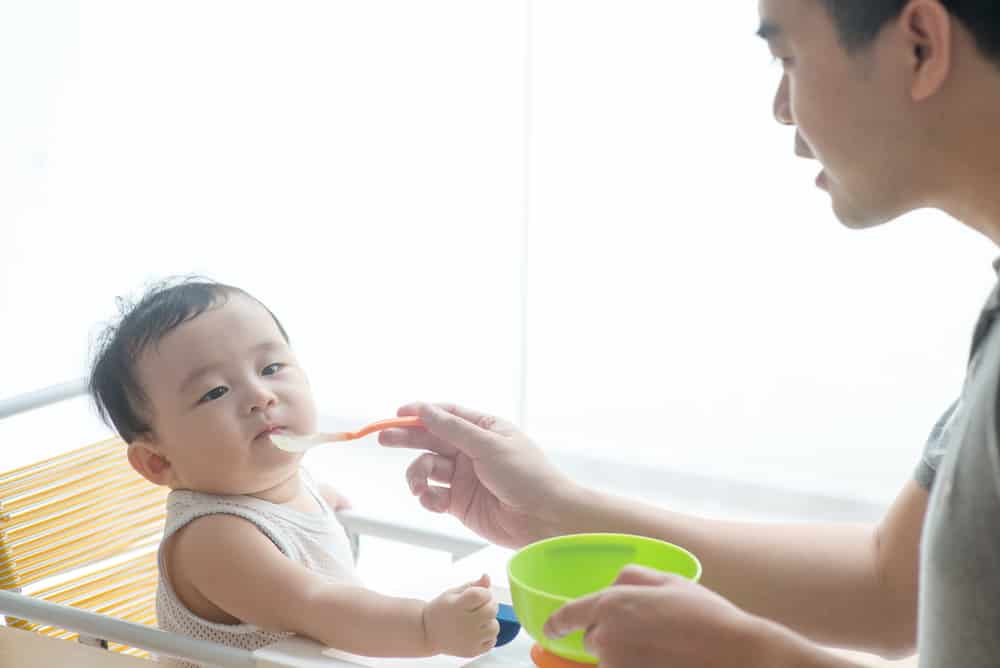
{"x":367,"y":170}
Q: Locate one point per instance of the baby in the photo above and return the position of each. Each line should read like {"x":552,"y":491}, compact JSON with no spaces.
{"x":195,"y":378}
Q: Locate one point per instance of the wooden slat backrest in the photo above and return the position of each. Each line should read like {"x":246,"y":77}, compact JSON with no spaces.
{"x":81,"y":529}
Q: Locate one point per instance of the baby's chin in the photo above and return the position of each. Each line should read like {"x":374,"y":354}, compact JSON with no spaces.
{"x":260,"y":483}
{"x":279,"y":476}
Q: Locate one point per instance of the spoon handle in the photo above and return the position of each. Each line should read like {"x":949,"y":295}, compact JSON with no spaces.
{"x":411,"y":421}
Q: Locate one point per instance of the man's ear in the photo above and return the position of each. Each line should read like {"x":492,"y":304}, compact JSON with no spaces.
{"x":148,"y":462}
{"x":928,"y":30}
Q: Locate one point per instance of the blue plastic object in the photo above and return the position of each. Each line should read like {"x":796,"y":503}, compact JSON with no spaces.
{"x":509,"y":626}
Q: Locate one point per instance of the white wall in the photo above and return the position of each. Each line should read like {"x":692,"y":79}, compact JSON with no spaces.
{"x":356,"y":166}
{"x":363,"y":168}
{"x":693,"y":303}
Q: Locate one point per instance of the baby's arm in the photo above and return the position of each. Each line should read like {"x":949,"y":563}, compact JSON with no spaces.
{"x":333,"y":498}
{"x":229,"y":562}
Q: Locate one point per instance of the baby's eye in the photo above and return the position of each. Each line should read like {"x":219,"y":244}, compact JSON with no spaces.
{"x":214,"y":394}
{"x":271,"y":369}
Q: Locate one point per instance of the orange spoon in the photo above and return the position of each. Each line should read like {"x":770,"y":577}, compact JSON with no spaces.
{"x":303,"y":443}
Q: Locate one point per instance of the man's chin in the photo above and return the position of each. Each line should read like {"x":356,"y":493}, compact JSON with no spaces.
{"x":854,"y":218}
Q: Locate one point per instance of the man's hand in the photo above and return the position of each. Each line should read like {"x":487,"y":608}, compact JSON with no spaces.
{"x":495,"y":480}
{"x":648,"y":618}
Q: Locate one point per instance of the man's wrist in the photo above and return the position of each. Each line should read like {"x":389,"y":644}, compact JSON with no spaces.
{"x":772,"y":645}
{"x":569,"y":511}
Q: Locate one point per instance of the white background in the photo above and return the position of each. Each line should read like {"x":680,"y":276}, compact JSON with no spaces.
{"x":577,"y":214}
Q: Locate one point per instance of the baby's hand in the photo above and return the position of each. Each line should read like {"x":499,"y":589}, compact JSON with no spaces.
{"x":462,"y":621}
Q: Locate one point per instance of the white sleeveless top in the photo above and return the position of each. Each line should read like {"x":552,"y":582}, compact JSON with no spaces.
{"x":318,"y":542}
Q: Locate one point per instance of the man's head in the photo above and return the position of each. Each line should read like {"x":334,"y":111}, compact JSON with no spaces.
{"x":883,"y":94}
{"x":859,"y":22}
{"x":194,"y":377}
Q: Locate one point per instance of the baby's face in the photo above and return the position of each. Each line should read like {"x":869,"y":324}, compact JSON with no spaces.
{"x":218,"y":385}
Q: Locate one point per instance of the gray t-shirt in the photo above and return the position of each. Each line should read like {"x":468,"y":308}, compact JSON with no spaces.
{"x":959,"y":623}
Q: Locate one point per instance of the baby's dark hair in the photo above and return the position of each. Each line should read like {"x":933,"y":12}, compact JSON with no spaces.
{"x":114,"y":384}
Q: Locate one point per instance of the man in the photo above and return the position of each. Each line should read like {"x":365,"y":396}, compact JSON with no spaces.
{"x":899,"y":102}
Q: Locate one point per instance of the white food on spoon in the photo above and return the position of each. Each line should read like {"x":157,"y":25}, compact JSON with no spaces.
{"x":296,"y":443}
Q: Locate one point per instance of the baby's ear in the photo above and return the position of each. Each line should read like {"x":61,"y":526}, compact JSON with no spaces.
{"x":149,"y":463}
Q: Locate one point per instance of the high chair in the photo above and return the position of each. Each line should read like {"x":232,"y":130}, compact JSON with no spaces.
{"x":78,"y":540}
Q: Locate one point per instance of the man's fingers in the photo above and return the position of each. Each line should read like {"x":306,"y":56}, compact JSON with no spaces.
{"x":436,"y":499}
{"x":409,"y":409}
{"x":453,"y":426}
{"x":457,"y":431}
{"x":574,"y":616}
{"x":429,"y":466}
{"x":415,"y":439}
{"x":475,"y":417}
{"x":593,"y":638}
{"x":642,"y":576}
{"x":481,"y":420}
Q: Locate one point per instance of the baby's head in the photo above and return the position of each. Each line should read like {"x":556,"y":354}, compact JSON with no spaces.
{"x":195,"y":377}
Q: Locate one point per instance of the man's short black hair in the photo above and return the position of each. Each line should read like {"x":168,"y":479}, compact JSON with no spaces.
{"x":860,"y":21}
{"x":114,"y":384}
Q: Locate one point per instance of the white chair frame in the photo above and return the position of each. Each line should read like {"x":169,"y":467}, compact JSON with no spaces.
{"x":97,"y":630}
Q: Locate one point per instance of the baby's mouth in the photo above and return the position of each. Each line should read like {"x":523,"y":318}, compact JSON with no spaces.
{"x":271,"y":430}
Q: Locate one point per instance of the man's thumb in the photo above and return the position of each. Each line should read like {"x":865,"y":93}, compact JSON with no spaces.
{"x":457,"y":431}
{"x":643,"y":577}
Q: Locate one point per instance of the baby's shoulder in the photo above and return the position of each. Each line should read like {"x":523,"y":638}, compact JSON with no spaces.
{"x":212,"y":536}
{"x":332,"y":496}
{"x":200,"y":567}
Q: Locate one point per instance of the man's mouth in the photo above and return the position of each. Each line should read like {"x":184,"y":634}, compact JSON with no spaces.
{"x":802,"y":148}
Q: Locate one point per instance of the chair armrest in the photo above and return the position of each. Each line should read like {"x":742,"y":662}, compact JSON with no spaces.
{"x":46,"y":396}
{"x":456,"y":545}
{"x":18,"y":648}
{"x":128,"y":633}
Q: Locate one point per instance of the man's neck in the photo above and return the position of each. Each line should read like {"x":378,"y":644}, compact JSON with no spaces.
{"x":975,"y":197}
{"x":965,"y":160}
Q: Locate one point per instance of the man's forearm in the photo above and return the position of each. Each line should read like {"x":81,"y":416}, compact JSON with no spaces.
{"x":820,"y":580}
{"x":779,"y":647}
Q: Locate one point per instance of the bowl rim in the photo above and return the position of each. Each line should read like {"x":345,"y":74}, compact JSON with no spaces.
{"x":555,"y":539}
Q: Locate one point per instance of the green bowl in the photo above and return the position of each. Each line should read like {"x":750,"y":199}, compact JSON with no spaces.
{"x":546,"y":575}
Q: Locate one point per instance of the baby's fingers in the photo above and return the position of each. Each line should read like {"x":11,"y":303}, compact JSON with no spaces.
{"x":475,"y":598}
{"x":483,"y":581}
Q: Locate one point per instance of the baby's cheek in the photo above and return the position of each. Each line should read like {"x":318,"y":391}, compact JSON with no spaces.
{"x":310,"y":412}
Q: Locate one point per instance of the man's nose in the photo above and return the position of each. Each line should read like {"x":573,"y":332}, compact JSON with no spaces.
{"x":782,"y":104}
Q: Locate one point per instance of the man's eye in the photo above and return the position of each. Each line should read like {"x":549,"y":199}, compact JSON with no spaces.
{"x":214,"y":394}
{"x":271,"y":369}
